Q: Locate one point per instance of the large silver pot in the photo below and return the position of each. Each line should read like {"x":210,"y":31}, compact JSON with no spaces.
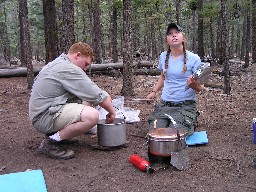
{"x":164,"y":141}
{"x":111,"y":135}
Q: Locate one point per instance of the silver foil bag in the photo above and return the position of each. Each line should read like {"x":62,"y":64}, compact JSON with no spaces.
{"x":202,"y":74}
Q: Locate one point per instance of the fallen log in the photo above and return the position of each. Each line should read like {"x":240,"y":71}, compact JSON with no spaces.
{"x":146,"y":64}
{"x":213,"y":85}
{"x":17,"y":72}
{"x":118,"y":73}
{"x":104,"y":66}
{"x":151,"y":72}
{"x":22,"y":72}
{"x":94,"y":68}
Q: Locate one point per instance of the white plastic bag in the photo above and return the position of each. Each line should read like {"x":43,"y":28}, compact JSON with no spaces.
{"x":130,"y":115}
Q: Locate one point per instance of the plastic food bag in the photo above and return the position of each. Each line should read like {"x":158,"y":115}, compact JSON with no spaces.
{"x":130,"y":115}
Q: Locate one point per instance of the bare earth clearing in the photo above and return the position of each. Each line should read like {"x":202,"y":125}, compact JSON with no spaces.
{"x":224,"y":164}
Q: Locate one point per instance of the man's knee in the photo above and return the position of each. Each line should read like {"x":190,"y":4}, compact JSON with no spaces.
{"x":90,"y":114}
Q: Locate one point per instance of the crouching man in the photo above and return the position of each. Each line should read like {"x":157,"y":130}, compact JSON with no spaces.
{"x":55,"y":104}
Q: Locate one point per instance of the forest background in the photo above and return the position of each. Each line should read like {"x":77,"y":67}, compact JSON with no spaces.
{"x":41,"y":30}
{"x":129,"y":33}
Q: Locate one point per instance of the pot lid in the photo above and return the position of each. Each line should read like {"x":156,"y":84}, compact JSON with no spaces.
{"x":165,"y":133}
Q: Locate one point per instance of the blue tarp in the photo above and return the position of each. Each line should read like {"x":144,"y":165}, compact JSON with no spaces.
{"x":198,"y":138}
{"x":28,"y":181}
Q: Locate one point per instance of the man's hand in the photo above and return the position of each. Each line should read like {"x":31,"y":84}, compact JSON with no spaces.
{"x":110,"y":118}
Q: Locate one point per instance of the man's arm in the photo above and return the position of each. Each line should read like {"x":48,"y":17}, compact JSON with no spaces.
{"x":107,"y":105}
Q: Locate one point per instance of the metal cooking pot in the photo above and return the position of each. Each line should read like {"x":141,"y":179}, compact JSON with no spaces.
{"x":113,"y":134}
{"x":164,"y":141}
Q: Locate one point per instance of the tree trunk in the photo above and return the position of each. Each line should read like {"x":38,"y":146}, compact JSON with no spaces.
{"x":253,"y":23}
{"x":5,"y":41}
{"x":200,"y":30}
{"x":247,"y":43}
{"x":85,"y":14}
{"x":90,"y":10}
{"x":128,"y":88}
{"x":160,"y":36}
{"x":4,"y":37}
{"x":135,"y":34}
{"x":110,"y":38}
{"x":244,"y":37}
{"x":231,"y":48}
{"x":26,"y":59}
{"x":97,"y":31}
{"x":219,"y":40}
{"x":194,"y":48}
{"x":153,"y":40}
{"x":50,"y":30}
{"x":148,"y":38}
{"x":114,"y":35}
{"x":168,"y":14}
{"x":212,"y":51}
{"x":178,"y":11}
{"x":67,"y":26}
{"x":238,"y":52}
{"x":226,"y":88}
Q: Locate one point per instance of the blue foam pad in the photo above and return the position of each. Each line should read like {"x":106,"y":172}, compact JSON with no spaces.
{"x":28,"y":181}
{"x":198,"y":138}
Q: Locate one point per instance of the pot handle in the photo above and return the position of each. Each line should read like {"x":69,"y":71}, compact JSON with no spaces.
{"x":120,"y":112}
{"x":175,"y":126}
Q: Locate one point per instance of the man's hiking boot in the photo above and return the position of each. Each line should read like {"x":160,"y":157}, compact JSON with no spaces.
{"x":51,"y":148}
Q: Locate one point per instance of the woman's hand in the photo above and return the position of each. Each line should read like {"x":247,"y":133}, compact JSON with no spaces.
{"x":152,"y":95}
{"x":191,"y":83}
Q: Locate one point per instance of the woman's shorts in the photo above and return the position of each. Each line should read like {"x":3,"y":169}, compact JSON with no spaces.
{"x":185,"y":115}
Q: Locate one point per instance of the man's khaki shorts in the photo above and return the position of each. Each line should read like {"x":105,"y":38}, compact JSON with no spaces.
{"x":69,"y":114}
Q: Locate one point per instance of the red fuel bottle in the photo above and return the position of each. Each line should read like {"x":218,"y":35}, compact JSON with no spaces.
{"x":141,"y":163}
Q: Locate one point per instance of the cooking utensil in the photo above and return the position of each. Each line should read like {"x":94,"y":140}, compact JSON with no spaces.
{"x":202,"y":74}
{"x":164,"y":141}
{"x":113,"y":134}
{"x":179,"y":159}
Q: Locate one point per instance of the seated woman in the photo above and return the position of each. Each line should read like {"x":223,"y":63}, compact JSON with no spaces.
{"x":177,"y":66}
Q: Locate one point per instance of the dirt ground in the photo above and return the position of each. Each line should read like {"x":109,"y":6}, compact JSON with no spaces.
{"x":224,"y":164}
